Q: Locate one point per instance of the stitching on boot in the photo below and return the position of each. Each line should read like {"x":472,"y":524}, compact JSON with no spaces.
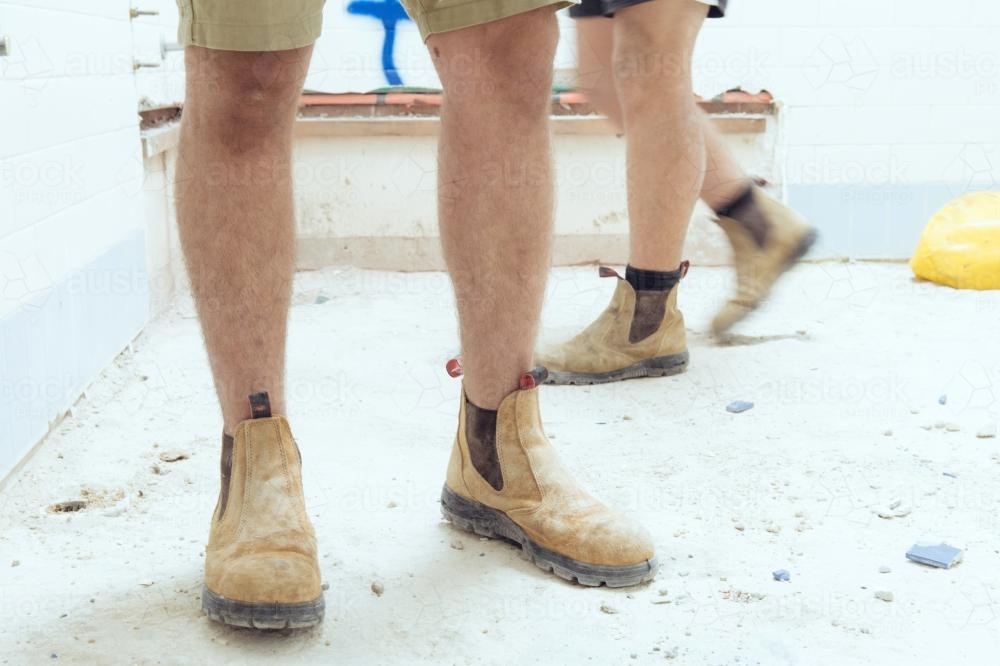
{"x":539,"y":485}
{"x":647,"y":316}
{"x":284,"y":457}
{"x":247,"y":480}
{"x":481,"y":436}
{"x":287,"y":475}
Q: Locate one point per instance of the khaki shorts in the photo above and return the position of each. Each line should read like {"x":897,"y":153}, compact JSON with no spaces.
{"x":277,"y":25}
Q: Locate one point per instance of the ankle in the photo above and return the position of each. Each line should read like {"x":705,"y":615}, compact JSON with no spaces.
{"x":643,"y":279}
{"x":652,"y":289}
{"x":745,"y":211}
{"x":725,"y":194}
{"x":731,"y":205}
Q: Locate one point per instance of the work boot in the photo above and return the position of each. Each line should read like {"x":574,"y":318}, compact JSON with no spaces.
{"x":507,"y":481}
{"x":768,"y":238}
{"x":640,"y":334}
{"x":261,"y":569}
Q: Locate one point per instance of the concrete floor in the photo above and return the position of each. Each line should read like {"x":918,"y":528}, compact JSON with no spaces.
{"x":846,"y":368}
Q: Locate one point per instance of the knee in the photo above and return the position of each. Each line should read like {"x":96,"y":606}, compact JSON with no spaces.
{"x":245,"y":99}
{"x":650,"y":60}
{"x":645,"y":73}
{"x":507,"y":63}
{"x":647,"y":58}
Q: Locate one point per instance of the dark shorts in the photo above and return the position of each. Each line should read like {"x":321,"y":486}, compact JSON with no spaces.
{"x":591,"y":8}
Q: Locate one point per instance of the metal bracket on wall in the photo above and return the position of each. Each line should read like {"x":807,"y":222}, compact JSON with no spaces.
{"x":135,"y":12}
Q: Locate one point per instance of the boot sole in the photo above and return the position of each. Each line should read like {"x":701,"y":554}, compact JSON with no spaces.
{"x":660,"y":366}
{"x":484,"y":521}
{"x":262,"y":615}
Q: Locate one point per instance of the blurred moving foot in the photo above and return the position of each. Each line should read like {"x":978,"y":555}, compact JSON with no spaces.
{"x":768,"y":238}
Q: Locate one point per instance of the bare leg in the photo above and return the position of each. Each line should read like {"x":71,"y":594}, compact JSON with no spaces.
{"x":234,"y":211}
{"x":724,"y":179}
{"x":495,"y":206}
{"x":637,"y":71}
{"x":495,"y":191}
{"x":654,"y":42}
{"x":595,"y":38}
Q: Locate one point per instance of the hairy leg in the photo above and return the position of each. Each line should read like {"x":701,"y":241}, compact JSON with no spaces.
{"x":495,"y":198}
{"x":653,"y":45}
{"x":724,"y":179}
{"x":234,"y":212}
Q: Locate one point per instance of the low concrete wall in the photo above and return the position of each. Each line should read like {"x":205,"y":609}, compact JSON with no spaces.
{"x":370,"y":201}
{"x":365,"y":191}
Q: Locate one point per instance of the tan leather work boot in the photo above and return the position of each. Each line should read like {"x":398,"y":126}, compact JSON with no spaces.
{"x":764,"y":247}
{"x":532,"y":500}
{"x":639,"y":334}
{"x":261,"y":569}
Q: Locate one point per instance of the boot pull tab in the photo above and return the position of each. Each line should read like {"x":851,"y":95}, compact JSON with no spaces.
{"x":607,"y":271}
{"x":685,"y":265}
{"x":260,"y":405}
{"x":533,"y":378}
{"x":529,"y":380}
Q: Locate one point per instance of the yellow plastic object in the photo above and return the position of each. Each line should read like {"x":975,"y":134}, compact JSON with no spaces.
{"x":960,"y":246}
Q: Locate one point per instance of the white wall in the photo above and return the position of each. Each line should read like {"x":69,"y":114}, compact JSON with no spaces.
{"x":371,"y":201}
{"x":891,"y":107}
{"x":73,"y":290}
{"x":164,"y":83}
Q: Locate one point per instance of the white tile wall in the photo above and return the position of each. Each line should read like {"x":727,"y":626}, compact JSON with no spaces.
{"x":72,"y":252}
{"x":912,"y":77}
{"x":69,"y":139}
{"x":163,"y":84}
{"x":63,"y":110}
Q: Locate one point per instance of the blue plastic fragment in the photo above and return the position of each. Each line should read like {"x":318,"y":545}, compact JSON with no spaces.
{"x":936,"y":555}
{"x":737,"y":406}
{"x":782,"y":575}
{"x":943,"y":400}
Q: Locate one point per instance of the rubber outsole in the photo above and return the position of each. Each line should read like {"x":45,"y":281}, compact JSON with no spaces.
{"x":660,"y":366}
{"x":482,"y":520}
{"x":262,"y":615}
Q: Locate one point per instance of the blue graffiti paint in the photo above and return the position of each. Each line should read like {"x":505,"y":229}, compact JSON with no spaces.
{"x":390,"y":12}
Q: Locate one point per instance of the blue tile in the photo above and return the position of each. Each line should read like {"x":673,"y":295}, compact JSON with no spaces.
{"x":52,"y":347}
{"x":868,"y":221}
{"x":907,"y":217}
{"x":869,"y":214}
